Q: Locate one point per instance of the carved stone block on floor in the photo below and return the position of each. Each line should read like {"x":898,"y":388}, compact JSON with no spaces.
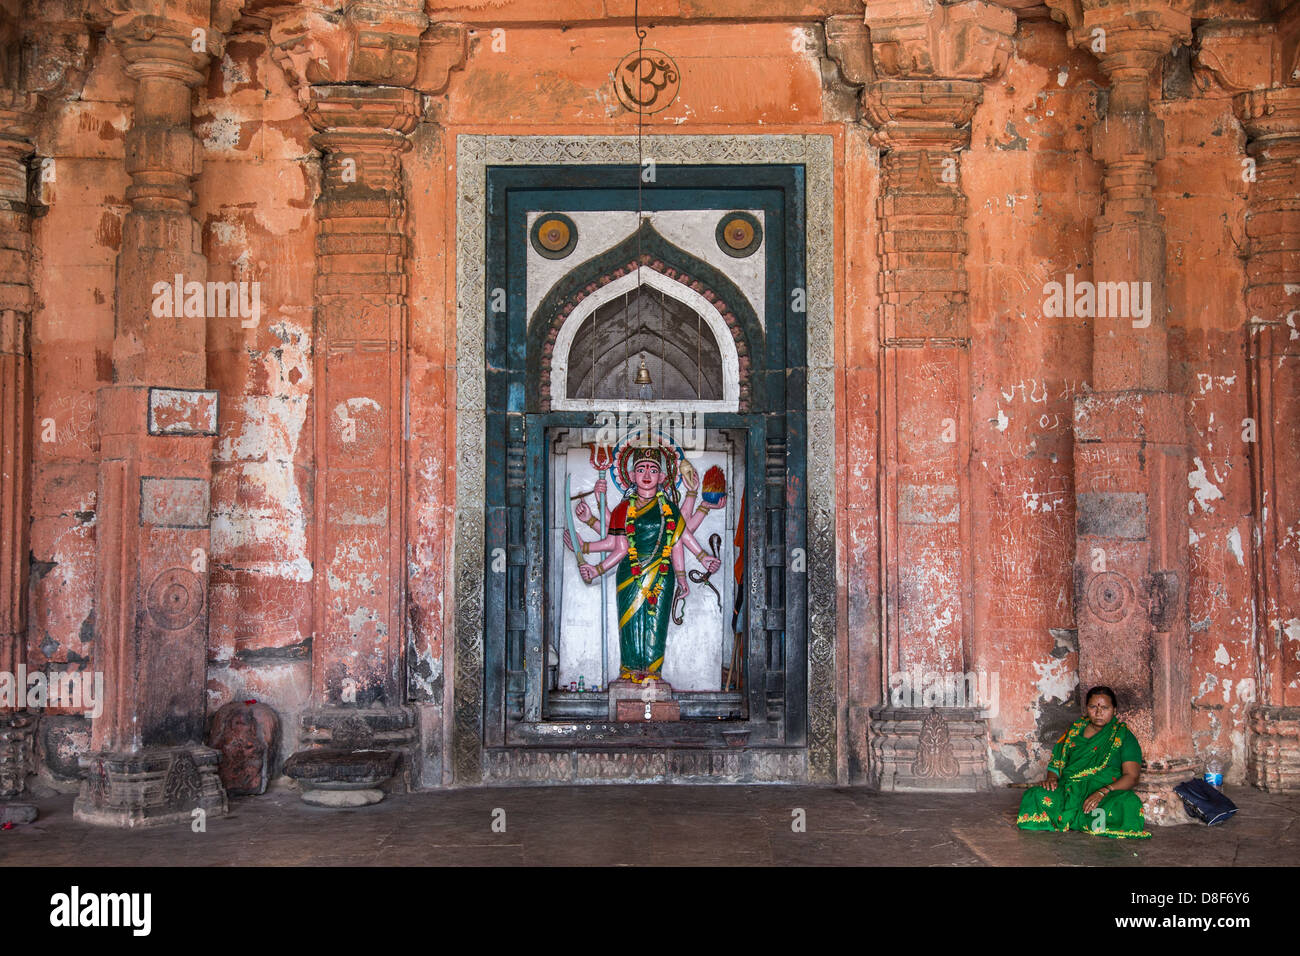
{"x":15,"y":751}
{"x":1273,"y":749}
{"x":929,"y":748}
{"x":17,"y":813}
{"x":1161,"y":807}
{"x":331,"y":777}
{"x":247,"y":735}
{"x":151,"y":788}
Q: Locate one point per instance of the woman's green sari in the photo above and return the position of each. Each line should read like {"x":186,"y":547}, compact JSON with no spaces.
{"x":1083,"y":766}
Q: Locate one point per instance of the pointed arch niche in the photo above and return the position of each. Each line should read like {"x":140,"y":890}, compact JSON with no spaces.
{"x":681,"y":335}
{"x":710,"y":312}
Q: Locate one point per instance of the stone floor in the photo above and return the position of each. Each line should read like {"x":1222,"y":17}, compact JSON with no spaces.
{"x":649,"y":824}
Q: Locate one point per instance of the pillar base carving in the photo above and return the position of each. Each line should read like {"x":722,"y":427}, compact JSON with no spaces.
{"x":1162,"y":807}
{"x":1273,"y":749}
{"x":370,"y":728}
{"x":16,"y":731}
{"x":155,"y":787}
{"x":929,"y":748}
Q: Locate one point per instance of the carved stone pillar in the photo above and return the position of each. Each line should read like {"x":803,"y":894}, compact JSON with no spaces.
{"x":16,"y":121}
{"x":1258,"y":62}
{"x":362,"y":78}
{"x":48,"y":68}
{"x":1130,"y":432}
{"x":361,"y":282}
{"x":148,"y":765}
{"x":1272,"y":121}
{"x":930,"y":61}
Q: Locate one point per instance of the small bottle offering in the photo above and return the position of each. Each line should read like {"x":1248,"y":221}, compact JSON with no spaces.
{"x":1214,"y":772}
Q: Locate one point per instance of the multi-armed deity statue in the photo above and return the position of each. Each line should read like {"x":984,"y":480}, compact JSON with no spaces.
{"x":647,"y":541}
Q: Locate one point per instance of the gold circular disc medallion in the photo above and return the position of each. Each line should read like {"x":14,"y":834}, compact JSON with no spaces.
{"x":553,"y":234}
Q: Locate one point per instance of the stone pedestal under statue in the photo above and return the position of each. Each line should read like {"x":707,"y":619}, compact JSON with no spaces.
{"x":630,"y":701}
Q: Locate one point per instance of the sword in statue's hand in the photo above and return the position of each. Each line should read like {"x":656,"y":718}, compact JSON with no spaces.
{"x":574,"y":541}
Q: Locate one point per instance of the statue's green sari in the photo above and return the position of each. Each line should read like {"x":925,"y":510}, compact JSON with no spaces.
{"x":646,"y":584}
{"x":1083,"y":766}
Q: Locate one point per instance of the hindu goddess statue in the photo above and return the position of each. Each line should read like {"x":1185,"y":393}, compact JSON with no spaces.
{"x":647,"y":535}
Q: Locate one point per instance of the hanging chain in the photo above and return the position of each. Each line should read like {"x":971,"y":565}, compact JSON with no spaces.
{"x":640,"y":165}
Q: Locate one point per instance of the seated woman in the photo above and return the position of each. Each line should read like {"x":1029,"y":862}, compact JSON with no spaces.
{"x":1090,"y":778}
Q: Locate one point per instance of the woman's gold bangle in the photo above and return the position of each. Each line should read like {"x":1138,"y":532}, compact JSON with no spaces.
{"x":702,"y":554}
{"x":584,"y":548}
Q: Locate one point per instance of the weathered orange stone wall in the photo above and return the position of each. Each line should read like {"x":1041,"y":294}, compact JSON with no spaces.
{"x":75,"y":245}
{"x":1033,"y":192}
{"x":255,"y":196}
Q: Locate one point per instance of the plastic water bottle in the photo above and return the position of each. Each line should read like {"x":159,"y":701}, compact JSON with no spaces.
{"x":582,"y":684}
{"x":1214,"y":772}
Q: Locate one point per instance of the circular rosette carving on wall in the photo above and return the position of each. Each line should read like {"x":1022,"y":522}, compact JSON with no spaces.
{"x":1110,"y":596}
{"x":739,"y":234}
{"x":175,"y":598}
{"x":553,"y":235}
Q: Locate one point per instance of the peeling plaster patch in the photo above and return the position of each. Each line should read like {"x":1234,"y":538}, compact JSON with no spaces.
{"x":1207,"y":685}
{"x":1204,"y":492}
{"x":940,"y":623}
{"x":1227,"y":689}
{"x":425,"y":673}
{"x":1246,"y":690}
{"x":1015,"y":142}
{"x":1207,"y":383}
{"x":1221,"y":656}
{"x":1056,"y":681}
{"x":1192,"y":538}
{"x":1010,"y":762}
{"x":231,"y":74}
{"x":229,"y":232}
{"x":363,"y":616}
{"x":1040,"y":502}
{"x":1002,"y":420}
{"x":1061,"y":77}
{"x":1234,"y":545}
{"x":1292,"y":629}
{"x":223,"y":134}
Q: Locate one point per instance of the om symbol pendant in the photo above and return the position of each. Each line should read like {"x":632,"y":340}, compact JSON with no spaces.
{"x":646,"y":81}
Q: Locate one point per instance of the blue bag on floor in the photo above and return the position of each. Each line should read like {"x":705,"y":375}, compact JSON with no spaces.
{"x":1205,"y":802}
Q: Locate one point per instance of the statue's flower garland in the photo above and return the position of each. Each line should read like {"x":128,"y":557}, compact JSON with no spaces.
{"x":651,"y":594}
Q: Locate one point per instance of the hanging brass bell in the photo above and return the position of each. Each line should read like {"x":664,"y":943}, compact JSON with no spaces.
{"x":643,"y":374}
